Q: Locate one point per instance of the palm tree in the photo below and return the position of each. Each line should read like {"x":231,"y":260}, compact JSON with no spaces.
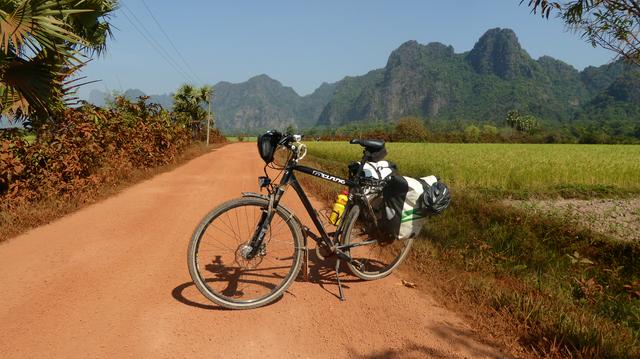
{"x":188,"y":108}
{"x":42,"y":44}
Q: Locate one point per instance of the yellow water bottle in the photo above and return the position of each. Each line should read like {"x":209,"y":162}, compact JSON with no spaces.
{"x":338,"y":207}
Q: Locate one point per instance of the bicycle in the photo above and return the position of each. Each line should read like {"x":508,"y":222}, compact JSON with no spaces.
{"x":246,"y":252}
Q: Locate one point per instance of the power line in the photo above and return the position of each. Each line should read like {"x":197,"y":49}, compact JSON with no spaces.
{"x":169,"y":40}
{"x":142,"y":30}
{"x":151,"y":39}
{"x":154,"y":47}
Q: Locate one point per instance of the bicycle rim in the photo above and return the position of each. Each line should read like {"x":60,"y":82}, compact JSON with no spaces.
{"x":224,"y":275}
{"x":377,"y":259}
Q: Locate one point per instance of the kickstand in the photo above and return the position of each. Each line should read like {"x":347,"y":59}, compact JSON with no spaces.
{"x":338,"y":278}
{"x":306,"y":261}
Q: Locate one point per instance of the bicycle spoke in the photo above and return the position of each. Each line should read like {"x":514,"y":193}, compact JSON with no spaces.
{"x":229,"y":273}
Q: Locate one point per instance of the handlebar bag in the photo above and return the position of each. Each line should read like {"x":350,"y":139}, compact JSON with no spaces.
{"x":404,"y":212}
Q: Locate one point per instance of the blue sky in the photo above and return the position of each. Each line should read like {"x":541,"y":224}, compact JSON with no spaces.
{"x":304,"y":43}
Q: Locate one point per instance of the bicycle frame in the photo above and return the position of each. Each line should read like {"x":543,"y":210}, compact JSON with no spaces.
{"x":289,"y":178}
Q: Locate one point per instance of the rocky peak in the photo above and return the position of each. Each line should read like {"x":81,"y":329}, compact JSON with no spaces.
{"x":498,"y":52}
{"x":263,"y":80}
{"x":412,"y":54}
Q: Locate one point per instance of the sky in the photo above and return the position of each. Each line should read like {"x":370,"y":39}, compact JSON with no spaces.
{"x":303,"y":43}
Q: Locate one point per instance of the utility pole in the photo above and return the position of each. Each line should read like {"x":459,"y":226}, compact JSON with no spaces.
{"x":209,"y":119}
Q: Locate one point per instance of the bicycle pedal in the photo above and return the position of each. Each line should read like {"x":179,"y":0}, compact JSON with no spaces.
{"x":358,"y":264}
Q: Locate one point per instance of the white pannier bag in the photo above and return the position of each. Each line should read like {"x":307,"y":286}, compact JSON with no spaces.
{"x":404,"y":212}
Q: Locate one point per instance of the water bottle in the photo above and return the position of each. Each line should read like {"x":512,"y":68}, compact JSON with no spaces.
{"x":338,"y":207}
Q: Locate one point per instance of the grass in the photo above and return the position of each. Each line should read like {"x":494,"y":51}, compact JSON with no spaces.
{"x":31,"y":138}
{"x":31,"y":215}
{"x":241,"y":139}
{"x":516,"y":170}
{"x":562,"y":289}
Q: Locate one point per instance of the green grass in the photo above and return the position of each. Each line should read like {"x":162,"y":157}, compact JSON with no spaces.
{"x":244,"y":139}
{"x":568,"y":290}
{"x":31,"y":138}
{"x":511,"y":169}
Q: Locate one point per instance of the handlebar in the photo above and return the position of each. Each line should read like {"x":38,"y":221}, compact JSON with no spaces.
{"x":292,"y":142}
{"x":287,"y":139}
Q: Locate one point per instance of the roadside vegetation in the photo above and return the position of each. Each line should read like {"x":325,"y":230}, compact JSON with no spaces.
{"x":563,"y":289}
{"x":85,"y":154}
{"x":515,"y":127}
{"x":71,"y":153}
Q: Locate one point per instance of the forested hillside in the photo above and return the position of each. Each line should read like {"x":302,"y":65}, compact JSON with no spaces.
{"x":434,"y":82}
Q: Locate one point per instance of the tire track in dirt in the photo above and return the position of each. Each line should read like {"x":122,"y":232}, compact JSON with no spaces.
{"x":111,"y":280}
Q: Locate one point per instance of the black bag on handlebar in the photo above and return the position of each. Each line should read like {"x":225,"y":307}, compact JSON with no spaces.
{"x":267,"y":143}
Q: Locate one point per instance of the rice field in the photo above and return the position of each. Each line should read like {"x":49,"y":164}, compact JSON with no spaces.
{"x":535,"y":168}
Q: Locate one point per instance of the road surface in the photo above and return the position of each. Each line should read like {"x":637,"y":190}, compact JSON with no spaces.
{"x":111,"y":281}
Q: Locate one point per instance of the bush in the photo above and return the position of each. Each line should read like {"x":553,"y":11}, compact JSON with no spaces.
{"x":471,"y":134}
{"x":86,"y":146}
{"x":410,"y":129}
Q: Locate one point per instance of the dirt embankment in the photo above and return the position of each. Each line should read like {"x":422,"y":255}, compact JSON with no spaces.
{"x":111,"y":280}
{"x":617,"y":218}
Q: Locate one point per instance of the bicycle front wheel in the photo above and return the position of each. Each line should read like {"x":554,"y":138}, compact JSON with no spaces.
{"x":220,"y":270}
{"x":377,"y":259}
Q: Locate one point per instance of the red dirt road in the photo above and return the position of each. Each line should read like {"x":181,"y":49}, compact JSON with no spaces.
{"x":111,"y":281}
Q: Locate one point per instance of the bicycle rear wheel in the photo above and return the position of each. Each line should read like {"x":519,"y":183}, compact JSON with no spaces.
{"x":224,"y":275}
{"x":378,"y":259}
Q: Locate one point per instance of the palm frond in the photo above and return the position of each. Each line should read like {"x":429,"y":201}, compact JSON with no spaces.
{"x":34,"y":24}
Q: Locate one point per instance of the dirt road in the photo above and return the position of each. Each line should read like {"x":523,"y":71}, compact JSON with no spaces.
{"x":111,"y":281}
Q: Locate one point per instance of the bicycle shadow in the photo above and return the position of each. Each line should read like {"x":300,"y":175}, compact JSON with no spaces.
{"x":178,"y":294}
{"x":322,"y":272}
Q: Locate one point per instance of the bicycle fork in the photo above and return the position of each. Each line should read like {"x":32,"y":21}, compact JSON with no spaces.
{"x":255,"y":246}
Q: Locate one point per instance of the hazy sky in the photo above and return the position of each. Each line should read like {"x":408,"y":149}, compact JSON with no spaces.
{"x":304,"y":43}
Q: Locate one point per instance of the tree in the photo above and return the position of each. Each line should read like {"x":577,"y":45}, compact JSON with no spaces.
{"x":291,"y":129}
{"x":522,"y":123}
{"x":188,"y":109}
{"x":489,"y":133}
{"x":410,"y":129}
{"x":471,"y":134}
{"x":42,"y":44}
{"x":610,"y":24}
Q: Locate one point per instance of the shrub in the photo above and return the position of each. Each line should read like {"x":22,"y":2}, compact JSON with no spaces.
{"x":84,"y":147}
{"x":410,"y":129}
{"x":471,"y":134}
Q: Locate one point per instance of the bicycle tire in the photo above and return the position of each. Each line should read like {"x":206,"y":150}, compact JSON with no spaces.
{"x":372,"y":268}
{"x":199,"y":270}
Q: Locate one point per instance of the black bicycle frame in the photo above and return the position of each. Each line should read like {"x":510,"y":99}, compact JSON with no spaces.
{"x":289,"y":178}
{"x":307,"y":204}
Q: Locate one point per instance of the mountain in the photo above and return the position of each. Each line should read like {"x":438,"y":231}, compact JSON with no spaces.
{"x":481,"y":85}
{"x":498,"y":52}
{"x":432,"y":81}
{"x":100,"y":98}
{"x":257,"y":104}
{"x":618,"y":105}
{"x":263,"y":103}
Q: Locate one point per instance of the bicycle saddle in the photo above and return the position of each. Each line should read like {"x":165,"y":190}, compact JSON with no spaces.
{"x":369,"y":145}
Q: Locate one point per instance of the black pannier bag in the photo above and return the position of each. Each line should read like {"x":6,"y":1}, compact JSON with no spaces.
{"x":408,"y":201}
